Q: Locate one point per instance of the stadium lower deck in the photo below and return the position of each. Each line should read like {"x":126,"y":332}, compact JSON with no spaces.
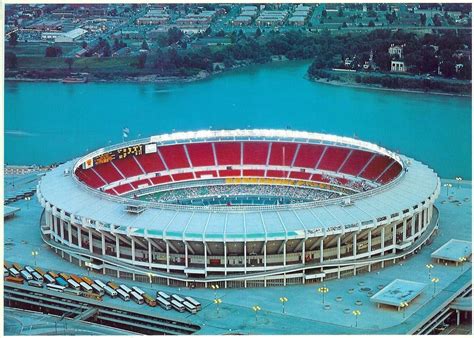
{"x":304,"y":311}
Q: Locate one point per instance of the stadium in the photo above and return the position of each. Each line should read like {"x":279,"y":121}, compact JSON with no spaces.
{"x":238,"y":208}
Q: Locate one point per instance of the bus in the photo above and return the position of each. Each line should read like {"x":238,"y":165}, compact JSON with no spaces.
{"x":86,"y":287}
{"x":122,"y":294}
{"x":138,"y":290}
{"x":163,"y":303}
{"x":92,"y":295}
{"x":49,"y":279}
{"x":136,"y":297}
{"x":73,"y":284}
{"x":29,"y":269}
{"x":37,"y":276}
{"x":111,"y":292}
{"x":113,"y":285}
{"x":73,"y":291}
{"x":17,"y":266}
{"x":97,"y":289}
{"x":177,"y":298}
{"x":53,"y":274}
{"x":149,"y":300}
{"x":99,"y":283}
{"x":41,"y":272}
{"x":125,"y":288}
{"x":55,"y":287}
{"x":76,"y":279}
{"x":14,"y":272}
{"x":189,"y":307}
{"x":26,"y":275}
{"x":87,"y":280}
{"x":163,"y":295}
{"x":5,"y":272}
{"x":64,"y":276}
{"x":35,"y":283}
{"x":177,"y":306}
{"x":17,"y":280}
{"x":62,"y":282}
{"x":193,"y":302}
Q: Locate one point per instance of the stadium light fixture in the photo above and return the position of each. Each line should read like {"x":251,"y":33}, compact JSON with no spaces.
{"x":34,"y":253}
{"x":435,"y":281}
{"x":323,"y":290}
{"x":356,"y":313}
{"x":256,"y":308}
{"x":429,"y":267}
{"x":149,"y":276}
{"x":215,"y":287}
{"x":404,"y":305}
{"x":447,"y":185}
{"x":217,"y":301}
{"x":458,"y":179}
{"x":461,"y":261}
{"x":283,"y":300}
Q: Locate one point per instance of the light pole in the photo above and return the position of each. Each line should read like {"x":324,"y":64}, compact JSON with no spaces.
{"x":461,"y":262}
{"x":283,"y":300}
{"x":34,"y":253}
{"x":217,"y":301}
{"x":458,"y":179}
{"x":447,"y":185}
{"x":323,"y":290}
{"x":256,"y":308}
{"x":356,"y":313}
{"x":429,"y":267}
{"x":149,"y":276}
{"x":215,"y":287}
{"x":434,"y":281}
{"x":404,"y":305}
{"x":27,"y":203}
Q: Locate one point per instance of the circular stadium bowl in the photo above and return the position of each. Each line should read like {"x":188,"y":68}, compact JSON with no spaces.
{"x":238,"y":208}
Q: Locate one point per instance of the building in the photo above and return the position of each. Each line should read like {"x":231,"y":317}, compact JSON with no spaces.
{"x":398,"y":66}
{"x":242,"y":21}
{"x":395,"y":50}
{"x":71,"y":36}
{"x":153,"y":20}
{"x":370,"y":207}
{"x":272,"y":18}
{"x":297,"y":20}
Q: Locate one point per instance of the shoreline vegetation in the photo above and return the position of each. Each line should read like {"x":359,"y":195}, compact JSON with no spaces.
{"x":429,"y":69}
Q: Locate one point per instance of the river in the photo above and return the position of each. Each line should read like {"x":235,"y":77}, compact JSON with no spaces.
{"x":53,"y":122}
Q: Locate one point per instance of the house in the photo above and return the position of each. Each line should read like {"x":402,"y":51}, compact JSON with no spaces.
{"x":398,"y":66}
{"x":395,"y":50}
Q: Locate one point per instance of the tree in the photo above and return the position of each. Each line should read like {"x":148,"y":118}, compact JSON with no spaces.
{"x":13,"y":39}
{"x":423,"y":19}
{"x":371,"y":23}
{"x":447,"y":68}
{"x":344,"y":25}
{"x":84,"y":44}
{"x":340,"y":12}
{"x":11,"y":60}
{"x":69,"y":62}
{"x":107,"y":49}
{"x":258,"y":32}
{"x":220,"y":33}
{"x":142,"y":60}
{"x":53,"y":51}
{"x":174,"y":35}
{"x":145,"y":45}
{"x":324,"y":13}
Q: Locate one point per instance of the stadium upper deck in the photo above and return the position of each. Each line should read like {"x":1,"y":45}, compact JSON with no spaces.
{"x":389,"y":216}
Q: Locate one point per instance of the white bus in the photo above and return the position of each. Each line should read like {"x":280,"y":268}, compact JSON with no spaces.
{"x":190,"y":307}
{"x":5,"y":272}
{"x":122,"y":294}
{"x":193,"y":302}
{"x":55,"y":287}
{"x":136,"y":297}
{"x":85,"y":286}
{"x":35,"y":283}
{"x":163,"y":295}
{"x":26,"y":275}
{"x":138,"y":290}
{"x":163,"y":303}
{"x":99,"y":283}
{"x":49,"y":279}
{"x":37,"y":276}
{"x":125,"y":288}
{"x":14,"y":272}
{"x":29,"y":269}
{"x":177,"y":306}
{"x":73,"y":284}
{"x":97,"y":289}
{"x":177,"y":298}
{"x":111,"y":292}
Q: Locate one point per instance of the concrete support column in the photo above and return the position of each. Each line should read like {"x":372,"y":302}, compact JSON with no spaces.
{"x":61,"y":225}
{"x":339,"y":247}
{"x":79,"y":236}
{"x":225,"y":259}
{"x":245,"y":258}
{"x":394,"y":237}
{"x":91,"y":241}
{"x":321,"y":250}
{"x":186,"y":254}
{"x":149,"y":254}
{"x":303,"y":253}
{"x":284,"y":253}
{"x":354,"y":244}
{"x":265,"y":255}
{"x":102,"y":237}
{"x":419,"y":222}
{"x":117,"y":245}
{"x":404,"y":229}
{"x":382,"y":244}
{"x":133,"y":250}
{"x":369,"y":247}
{"x":49,"y":225}
{"x":167,"y":257}
{"x":205,"y":258}
{"x":458,"y":317}
{"x":69,"y":232}
{"x":413,"y":227}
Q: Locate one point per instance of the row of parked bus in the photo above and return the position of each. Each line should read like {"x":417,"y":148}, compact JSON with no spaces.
{"x":96,"y":289}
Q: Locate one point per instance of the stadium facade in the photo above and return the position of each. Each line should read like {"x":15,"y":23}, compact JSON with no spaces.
{"x":373,"y":207}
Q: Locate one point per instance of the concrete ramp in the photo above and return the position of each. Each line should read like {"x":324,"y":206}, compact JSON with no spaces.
{"x":86,"y":314}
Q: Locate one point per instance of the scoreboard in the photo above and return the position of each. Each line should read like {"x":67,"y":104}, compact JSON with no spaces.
{"x":119,"y":154}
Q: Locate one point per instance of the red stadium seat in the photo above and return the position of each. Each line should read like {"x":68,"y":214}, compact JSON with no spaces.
{"x":227,"y":153}
{"x":174,"y":156}
{"x":229,"y":173}
{"x":199,"y":174}
{"x":376,"y":167}
{"x":277,"y":151}
{"x":108,"y":172}
{"x":319,"y":178}
{"x":390,"y":174}
{"x":183,"y":176}
{"x":201,"y":154}
{"x":276,"y":173}
{"x":89,"y":177}
{"x":356,"y":162}
{"x":255,"y":152}
{"x":300,"y":175}
{"x":254,"y":173}
{"x":333,"y":158}
{"x":111,"y":191}
{"x":136,"y":184}
{"x":151,"y":162}
{"x":160,"y":179}
{"x":121,"y":189}
{"x":128,"y":167}
{"x":308,"y":155}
